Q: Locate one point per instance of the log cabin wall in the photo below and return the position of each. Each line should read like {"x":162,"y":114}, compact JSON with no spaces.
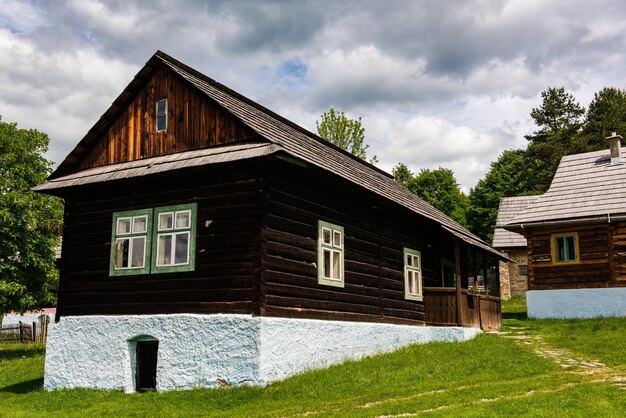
{"x":227,"y":263}
{"x":194,"y":122}
{"x":375,"y":234}
{"x":595,"y":266}
{"x":618,"y":252}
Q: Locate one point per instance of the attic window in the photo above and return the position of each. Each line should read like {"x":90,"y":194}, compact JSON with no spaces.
{"x":161,"y":115}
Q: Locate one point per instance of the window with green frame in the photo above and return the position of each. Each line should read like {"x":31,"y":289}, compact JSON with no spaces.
{"x":565,"y":248}
{"x":412,"y":274}
{"x":158,"y":240}
{"x":330,"y":254}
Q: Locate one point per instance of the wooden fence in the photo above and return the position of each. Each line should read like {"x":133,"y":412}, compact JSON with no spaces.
{"x":476,"y":310}
{"x":24,"y":333}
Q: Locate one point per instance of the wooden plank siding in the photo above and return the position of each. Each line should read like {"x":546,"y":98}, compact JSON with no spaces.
{"x":374,"y":238}
{"x":602,"y":258}
{"x":226,"y":273}
{"x":194,"y":122}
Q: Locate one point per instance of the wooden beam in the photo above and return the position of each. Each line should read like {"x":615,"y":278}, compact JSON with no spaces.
{"x":457,"y":275}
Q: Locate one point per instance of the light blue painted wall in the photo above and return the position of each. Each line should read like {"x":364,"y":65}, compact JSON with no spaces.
{"x":576,"y":303}
{"x":204,"y":350}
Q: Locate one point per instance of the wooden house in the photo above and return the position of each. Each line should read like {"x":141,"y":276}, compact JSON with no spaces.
{"x":514,"y":271}
{"x":576,"y":236}
{"x":187,"y":201}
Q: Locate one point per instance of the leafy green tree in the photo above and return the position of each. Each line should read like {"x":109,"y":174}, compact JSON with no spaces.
{"x":30,"y":223}
{"x":559,"y":119}
{"x":506,"y":177}
{"x":606,"y":114}
{"x":438,"y":187}
{"x":346,"y":133}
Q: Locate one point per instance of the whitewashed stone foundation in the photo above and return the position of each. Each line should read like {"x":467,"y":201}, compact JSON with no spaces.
{"x":576,"y":303}
{"x":210,"y":350}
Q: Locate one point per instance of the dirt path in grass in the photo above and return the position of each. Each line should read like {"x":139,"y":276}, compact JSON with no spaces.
{"x":572,"y":363}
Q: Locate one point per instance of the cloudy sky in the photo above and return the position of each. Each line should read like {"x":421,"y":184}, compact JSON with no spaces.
{"x":436,"y":83}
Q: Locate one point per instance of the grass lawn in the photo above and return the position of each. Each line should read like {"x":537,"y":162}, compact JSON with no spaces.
{"x":488,"y":376}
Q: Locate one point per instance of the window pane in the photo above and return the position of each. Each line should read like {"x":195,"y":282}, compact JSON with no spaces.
{"x":182,"y":245}
{"x":411,"y":274}
{"x":409,"y":260}
{"x":337,"y":238}
{"x":121,"y":253}
{"x":182,"y":219}
{"x":161,"y":104}
{"x":560,"y":243}
{"x":140,"y":224}
{"x":336,"y":266}
{"x":138,"y":251}
{"x":326,"y":272}
{"x":123,"y":226}
{"x":166,"y":221}
{"x":326,"y":236}
{"x":161,"y":123}
{"x":571,"y":249}
{"x":164,"y":253}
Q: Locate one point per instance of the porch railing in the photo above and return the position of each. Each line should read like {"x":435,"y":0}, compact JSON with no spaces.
{"x":476,"y":310}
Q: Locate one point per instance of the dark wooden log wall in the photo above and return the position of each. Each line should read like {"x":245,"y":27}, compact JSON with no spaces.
{"x":227,"y":262}
{"x":194,"y":122}
{"x":375,"y":235}
{"x":594,"y":269}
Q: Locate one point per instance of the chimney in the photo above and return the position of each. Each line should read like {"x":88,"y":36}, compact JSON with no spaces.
{"x":616,"y":148}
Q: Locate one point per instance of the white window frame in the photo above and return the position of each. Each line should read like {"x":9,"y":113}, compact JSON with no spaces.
{"x":156,"y":119}
{"x":334,"y":249}
{"x":417,"y":270}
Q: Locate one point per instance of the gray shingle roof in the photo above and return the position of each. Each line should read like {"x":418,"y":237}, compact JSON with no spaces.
{"x":137,"y":168}
{"x":585,"y":186}
{"x":292,"y":138}
{"x":509,"y":208}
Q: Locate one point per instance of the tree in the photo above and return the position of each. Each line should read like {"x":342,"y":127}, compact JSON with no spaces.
{"x":506,"y":177}
{"x":437,"y":187}
{"x":348,"y":134}
{"x":30,"y":223}
{"x":559,"y":119}
{"x":606,"y":114}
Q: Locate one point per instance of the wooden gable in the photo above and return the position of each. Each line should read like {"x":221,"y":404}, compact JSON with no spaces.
{"x":194,"y":122}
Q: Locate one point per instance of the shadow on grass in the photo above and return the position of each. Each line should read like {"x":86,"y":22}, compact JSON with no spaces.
{"x":24,"y":387}
{"x":514,"y":315}
{"x":19,"y":352}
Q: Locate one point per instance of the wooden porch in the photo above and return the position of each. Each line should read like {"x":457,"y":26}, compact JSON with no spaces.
{"x":476,"y":310}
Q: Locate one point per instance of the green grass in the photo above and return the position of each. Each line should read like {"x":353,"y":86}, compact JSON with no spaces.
{"x":488,"y":376}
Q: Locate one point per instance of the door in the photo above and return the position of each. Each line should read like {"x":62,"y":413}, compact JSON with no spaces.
{"x":145,"y":376}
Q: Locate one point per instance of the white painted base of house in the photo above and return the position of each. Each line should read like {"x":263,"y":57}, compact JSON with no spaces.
{"x":576,"y":303}
{"x":209,"y":350}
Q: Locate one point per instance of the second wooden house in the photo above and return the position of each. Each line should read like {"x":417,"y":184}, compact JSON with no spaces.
{"x":208,"y":240}
{"x":576,"y":235}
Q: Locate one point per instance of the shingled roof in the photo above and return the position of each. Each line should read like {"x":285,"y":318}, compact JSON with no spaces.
{"x":585,"y":188}
{"x":509,"y":208}
{"x":291,"y":138}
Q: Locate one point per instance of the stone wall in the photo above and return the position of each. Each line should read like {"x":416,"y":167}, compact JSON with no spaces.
{"x":512,"y":280}
{"x":216,"y":350}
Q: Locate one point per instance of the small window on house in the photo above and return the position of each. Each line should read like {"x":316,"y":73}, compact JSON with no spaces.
{"x":161,"y":115}
{"x":130,"y":242}
{"x":412,"y":274}
{"x":138,"y":247}
{"x":523,"y":269}
{"x":330,"y":254}
{"x":565,"y":248}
